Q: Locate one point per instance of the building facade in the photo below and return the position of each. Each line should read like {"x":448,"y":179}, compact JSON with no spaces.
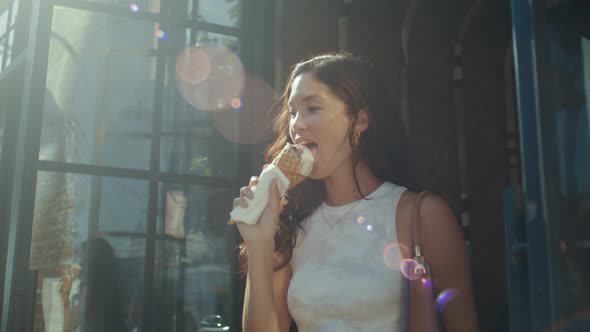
{"x":126,"y":129}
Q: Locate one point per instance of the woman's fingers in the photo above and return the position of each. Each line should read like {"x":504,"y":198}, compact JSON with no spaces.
{"x":240,"y":201}
{"x":253,"y":181}
{"x":246,"y":192}
{"x":236,"y":202}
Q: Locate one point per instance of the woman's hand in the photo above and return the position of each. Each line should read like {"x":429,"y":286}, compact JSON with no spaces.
{"x":264,"y":230}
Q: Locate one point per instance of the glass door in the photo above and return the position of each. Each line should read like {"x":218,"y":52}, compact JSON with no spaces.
{"x":140,"y":135}
{"x":568,"y":120}
{"x":552,"y":63}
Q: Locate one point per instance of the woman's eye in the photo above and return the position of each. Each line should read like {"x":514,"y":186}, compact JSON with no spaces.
{"x":313,"y":109}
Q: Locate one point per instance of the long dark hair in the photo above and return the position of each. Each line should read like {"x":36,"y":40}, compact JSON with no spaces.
{"x":382,"y":146}
{"x":105,"y":307}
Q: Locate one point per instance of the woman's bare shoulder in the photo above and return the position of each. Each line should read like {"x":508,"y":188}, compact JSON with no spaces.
{"x":435,"y":216}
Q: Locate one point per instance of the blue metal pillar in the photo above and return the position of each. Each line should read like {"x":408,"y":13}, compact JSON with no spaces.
{"x":535,"y":209}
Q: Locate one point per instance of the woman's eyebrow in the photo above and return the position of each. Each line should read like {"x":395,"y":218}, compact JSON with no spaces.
{"x":308,"y":98}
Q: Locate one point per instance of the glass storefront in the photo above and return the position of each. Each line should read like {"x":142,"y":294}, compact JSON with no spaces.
{"x":134,"y":174}
{"x":133,"y":149}
{"x":552,"y":59}
{"x":568,"y":68}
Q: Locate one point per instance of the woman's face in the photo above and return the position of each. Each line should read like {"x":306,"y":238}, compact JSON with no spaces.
{"x":320,"y":120}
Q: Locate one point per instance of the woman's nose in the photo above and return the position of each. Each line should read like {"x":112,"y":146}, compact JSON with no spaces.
{"x":297,"y":122}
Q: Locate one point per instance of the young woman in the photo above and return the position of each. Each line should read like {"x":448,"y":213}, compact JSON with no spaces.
{"x":316,"y":254}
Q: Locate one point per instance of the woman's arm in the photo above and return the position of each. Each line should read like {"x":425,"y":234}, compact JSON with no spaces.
{"x":443,"y":247}
{"x":265,"y":302}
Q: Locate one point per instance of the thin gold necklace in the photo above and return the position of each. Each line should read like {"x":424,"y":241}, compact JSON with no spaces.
{"x":339,"y":219}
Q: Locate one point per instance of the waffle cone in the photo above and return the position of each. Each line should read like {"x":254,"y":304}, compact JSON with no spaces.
{"x":290,"y":162}
{"x":294,"y":178}
{"x":287,"y":160}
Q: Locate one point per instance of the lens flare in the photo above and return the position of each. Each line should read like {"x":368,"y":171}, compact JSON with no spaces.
{"x":236,"y":104}
{"x":393,"y":254}
{"x":443,"y":298}
{"x":251,"y":125}
{"x":134,"y":7}
{"x":209,"y":77}
{"x":360,"y":220}
{"x":162,"y":35}
{"x":411,"y":269}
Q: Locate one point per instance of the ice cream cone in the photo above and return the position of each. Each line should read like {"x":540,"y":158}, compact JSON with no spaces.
{"x":292,"y":165}
{"x":295,"y":161}
{"x":294,"y":178}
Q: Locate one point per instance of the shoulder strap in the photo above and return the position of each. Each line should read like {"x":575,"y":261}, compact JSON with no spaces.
{"x":425,"y":317}
{"x":415,"y":234}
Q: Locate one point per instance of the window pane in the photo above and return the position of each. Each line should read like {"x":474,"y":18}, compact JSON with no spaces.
{"x":100,"y":90}
{"x":3,"y":116}
{"x":123,"y":204}
{"x":192,"y":270}
{"x":3,"y":17}
{"x":15,"y":6}
{"x":82,"y":278}
{"x":569,"y":59}
{"x":202,"y":82}
{"x":227,"y":12}
{"x":2,"y":48}
{"x":9,"y":46}
{"x":135,"y":6}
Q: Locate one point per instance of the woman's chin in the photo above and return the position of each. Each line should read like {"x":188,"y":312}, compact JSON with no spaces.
{"x":314,"y":174}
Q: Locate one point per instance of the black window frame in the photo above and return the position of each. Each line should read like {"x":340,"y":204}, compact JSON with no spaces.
{"x":255,"y":33}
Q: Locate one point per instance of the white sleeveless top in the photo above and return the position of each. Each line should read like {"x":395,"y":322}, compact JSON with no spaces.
{"x":340,"y":281}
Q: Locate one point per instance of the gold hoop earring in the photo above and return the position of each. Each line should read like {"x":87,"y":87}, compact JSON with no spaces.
{"x":357,"y":137}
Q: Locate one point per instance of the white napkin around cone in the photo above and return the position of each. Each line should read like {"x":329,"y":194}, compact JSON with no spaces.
{"x":256,"y":205}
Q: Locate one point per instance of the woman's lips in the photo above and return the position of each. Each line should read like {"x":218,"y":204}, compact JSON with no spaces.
{"x":312,"y":147}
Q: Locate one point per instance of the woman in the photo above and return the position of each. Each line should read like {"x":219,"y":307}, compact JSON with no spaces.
{"x":316,"y":254}
{"x":98,"y":304}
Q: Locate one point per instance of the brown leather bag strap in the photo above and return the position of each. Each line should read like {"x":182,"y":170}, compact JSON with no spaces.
{"x":423,"y":316}
{"x":415,"y":227}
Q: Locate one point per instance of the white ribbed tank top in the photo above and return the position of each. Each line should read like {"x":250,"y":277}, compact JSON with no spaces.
{"x":340,"y":281}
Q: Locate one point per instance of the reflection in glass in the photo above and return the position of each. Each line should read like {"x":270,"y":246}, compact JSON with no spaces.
{"x":192,"y":272}
{"x":191,"y":144}
{"x":3,"y":117}
{"x":175,"y":210}
{"x":227,"y":12}
{"x":87,"y":280}
{"x":8,"y":13}
{"x":123,"y":204}
{"x":97,"y":294}
{"x":100,"y":90}
{"x":134,"y":6}
{"x":569,"y":59}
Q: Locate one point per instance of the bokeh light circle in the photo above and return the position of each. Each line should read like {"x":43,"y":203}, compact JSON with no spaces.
{"x":236,"y":103}
{"x":410,"y":268}
{"x":134,"y":7}
{"x":162,"y":35}
{"x":209,"y":77}
{"x":249,"y":123}
{"x":369,"y":227}
{"x":393,"y":254}
{"x":360,"y":220}
{"x":444,"y":297}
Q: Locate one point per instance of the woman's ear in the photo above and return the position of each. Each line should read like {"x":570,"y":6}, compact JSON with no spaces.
{"x":362,"y":121}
